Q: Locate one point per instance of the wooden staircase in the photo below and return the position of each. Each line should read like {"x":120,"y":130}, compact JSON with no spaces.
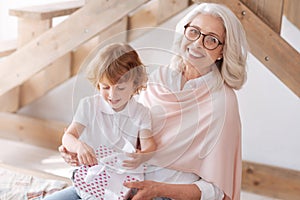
{"x":45,"y":56}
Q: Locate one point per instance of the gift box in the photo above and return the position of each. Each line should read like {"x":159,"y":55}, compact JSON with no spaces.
{"x":105,"y":180}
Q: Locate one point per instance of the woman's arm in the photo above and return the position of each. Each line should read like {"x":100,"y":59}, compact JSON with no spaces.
{"x":150,"y":189}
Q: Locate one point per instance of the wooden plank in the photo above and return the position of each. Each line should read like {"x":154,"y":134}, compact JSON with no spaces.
{"x":268,"y":47}
{"x":142,"y":17}
{"x":7,"y":47}
{"x":115,"y":33}
{"x":168,"y":8}
{"x":47,"y":11}
{"x":29,"y":29}
{"x":271,"y":181}
{"x":45,"y":80}
{"x":35,"y":173}
{"x":291,"y":11}
{"x":269,"y":11}
{"x":43,"y":133}
{"x":61,"y":39}
{"x":9,"y":102}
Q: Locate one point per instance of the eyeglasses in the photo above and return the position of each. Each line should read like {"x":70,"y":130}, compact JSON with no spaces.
{"x":193,"y":33}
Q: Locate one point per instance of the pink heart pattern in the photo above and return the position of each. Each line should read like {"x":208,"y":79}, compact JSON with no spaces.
{"x":100,"y":186}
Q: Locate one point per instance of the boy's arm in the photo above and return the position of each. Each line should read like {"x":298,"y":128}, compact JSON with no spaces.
{"x":70,"y":137}
{"x":70,"y":141}
{"x":148,"y":144}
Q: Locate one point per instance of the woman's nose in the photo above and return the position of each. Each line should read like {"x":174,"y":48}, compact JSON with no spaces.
{"x":199,"y":41}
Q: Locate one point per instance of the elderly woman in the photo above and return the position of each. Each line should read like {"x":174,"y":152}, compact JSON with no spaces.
{"x":196,"y":121}
{"x":195,"y":111}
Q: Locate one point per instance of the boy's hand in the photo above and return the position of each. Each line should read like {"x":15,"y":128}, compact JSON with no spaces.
{"x":136,"y":159}
{"x":86,"y":154}
{"x":69,"y":157}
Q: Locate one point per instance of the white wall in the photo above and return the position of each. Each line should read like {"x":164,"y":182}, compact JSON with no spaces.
{"x":270,"y":111}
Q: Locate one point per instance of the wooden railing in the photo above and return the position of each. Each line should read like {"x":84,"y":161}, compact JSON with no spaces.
{"x":262,"y":22}
{"x":46,"y":55}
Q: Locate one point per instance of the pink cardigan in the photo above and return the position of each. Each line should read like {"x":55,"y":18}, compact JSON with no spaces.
{"x":196,"y":130}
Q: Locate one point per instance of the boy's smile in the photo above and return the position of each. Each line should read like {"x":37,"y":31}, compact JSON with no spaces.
{"x":116,"y":95}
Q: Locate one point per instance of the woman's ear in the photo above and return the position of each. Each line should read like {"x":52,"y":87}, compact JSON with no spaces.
{"x":220,"y":56}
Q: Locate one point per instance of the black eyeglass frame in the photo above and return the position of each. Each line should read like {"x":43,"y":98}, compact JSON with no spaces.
{"x":199,"y":35}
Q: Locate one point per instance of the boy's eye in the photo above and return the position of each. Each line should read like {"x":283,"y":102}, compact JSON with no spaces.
{"x":120,"y":88}
{"x":104,"y":87}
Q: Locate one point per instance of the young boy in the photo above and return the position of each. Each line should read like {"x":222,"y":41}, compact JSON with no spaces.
{"x":112,"y":118}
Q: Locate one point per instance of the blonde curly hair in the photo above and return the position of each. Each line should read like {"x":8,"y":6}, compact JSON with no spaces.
{"x":118,"y":63}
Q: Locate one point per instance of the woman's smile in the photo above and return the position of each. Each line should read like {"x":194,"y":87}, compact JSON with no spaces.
{"x":195,"y":54}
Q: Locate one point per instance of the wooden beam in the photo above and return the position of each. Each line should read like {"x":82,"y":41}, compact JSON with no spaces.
{"x":43,"y":133}
{"x":45,"y":80}
{"x":168,"y":8}
{"x":61,"y":39}
{"x":9,"y":102}
{"x":271,"y":181}
{"x":269,"y":11}
{"x":116,"y":33}
{"x":47,"y":11}
{"x":143,"y":17}
{"x":268,"y":46}
{"x":291,"y":11}
{"x":152,"y":14}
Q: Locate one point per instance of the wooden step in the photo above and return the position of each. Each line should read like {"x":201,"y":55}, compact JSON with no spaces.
{"x":39,"y":132}
{"x":7,"y":47}
{"x":47,"y":11}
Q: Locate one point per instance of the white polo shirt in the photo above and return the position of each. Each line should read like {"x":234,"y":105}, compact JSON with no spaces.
{"x":105,"y":126}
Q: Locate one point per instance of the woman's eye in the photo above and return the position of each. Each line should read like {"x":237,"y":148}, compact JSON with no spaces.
{"x":212,"y":40}
{"x":121,"y":88}
{"x":193,"y":32}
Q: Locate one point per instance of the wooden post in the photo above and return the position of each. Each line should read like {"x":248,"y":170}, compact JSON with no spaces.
{"x":269,"y":11}
{"x":291,"y":11}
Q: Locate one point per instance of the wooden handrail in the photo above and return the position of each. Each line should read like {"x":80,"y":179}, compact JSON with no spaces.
{"x":47,"y":11}
{"x":78,"y":28}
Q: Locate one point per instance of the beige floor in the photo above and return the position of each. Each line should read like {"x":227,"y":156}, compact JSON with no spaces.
{"x":32,"y":157}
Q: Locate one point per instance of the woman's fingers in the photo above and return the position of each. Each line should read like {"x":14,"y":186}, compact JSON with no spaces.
{"x":137,"y":185}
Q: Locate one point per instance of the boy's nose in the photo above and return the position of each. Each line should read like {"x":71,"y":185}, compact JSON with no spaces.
{"x":112,"y":92}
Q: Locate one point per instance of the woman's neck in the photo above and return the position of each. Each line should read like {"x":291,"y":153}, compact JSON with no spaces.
{"x":190,"y":72}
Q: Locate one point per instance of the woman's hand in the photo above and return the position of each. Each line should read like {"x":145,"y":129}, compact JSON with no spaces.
{"x":151,"y":189}
{"x":146,"y":189}
{"x":69,"y":157}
